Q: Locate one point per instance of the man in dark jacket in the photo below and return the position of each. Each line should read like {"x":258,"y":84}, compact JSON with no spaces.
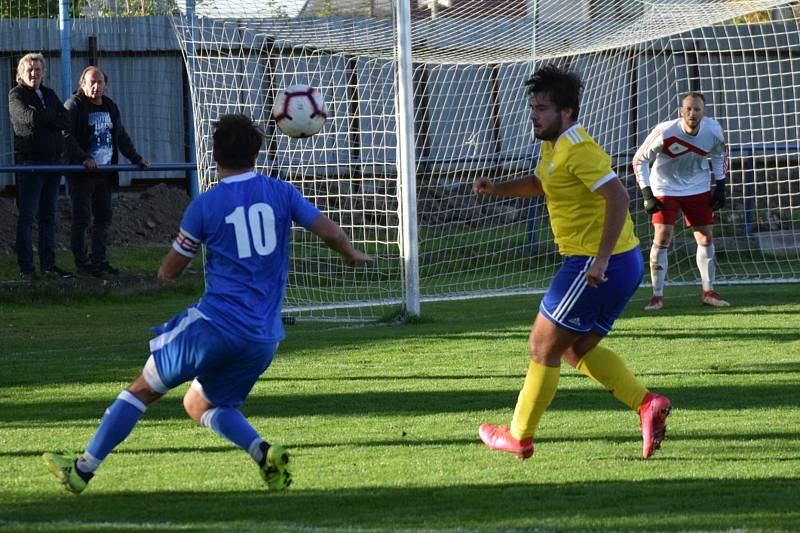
{"x":95,"y":137}
{"x":38,"y":118}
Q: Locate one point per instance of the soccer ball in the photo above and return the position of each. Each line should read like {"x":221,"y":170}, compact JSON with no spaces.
{"x":299,"y":111}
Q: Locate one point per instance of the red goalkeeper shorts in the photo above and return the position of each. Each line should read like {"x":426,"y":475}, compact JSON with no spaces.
{"x":696,"y":209}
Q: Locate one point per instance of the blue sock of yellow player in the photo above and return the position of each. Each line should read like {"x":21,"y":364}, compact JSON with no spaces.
{"x":119,"y":420}
{"x":608,"y":369}
{"x":537,"y":392}
{"x":231,"y":424}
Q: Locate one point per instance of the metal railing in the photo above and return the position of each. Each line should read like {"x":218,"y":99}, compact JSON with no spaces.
{"x":190,"y":169}
{"x":72,"y":169}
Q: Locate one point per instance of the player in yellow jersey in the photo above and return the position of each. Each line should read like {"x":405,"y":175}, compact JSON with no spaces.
{"x":602,"y":268}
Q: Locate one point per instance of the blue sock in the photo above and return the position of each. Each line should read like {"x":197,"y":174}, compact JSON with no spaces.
{"x":120,"y":418}
{"x":232,"y":425}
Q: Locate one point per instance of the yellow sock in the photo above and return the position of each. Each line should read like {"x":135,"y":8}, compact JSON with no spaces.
{"x":608,"y":369}
{"x":534,"y":398}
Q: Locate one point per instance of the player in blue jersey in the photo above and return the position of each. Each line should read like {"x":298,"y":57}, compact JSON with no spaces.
{"x":588,"y":207}
{"x":227,"y":340}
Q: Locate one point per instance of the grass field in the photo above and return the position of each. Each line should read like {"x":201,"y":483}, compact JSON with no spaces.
{"x":381,"y":422}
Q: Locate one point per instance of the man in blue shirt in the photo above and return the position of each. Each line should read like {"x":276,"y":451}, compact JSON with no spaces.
{"x":227,"y":340}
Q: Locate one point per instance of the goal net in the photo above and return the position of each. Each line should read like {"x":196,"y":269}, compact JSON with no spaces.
{"x":469,"y":62}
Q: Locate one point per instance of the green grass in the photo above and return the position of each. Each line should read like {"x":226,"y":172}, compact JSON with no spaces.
{"x":453,"y":259}
{"x":381,"y":422}
{"x":142,"y":260}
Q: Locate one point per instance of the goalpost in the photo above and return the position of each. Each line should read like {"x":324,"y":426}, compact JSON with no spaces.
{"x":425,"y":100}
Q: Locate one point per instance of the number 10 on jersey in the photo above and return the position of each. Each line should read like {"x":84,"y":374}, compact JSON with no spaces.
{"x":254,"y":232}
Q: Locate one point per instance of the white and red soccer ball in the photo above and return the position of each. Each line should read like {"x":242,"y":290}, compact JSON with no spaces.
{"x":299,"y":111}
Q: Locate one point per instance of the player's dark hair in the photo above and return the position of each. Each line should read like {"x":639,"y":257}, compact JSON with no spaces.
{"x":693,"y":94}
{"x":562,"y":86}
{"x":237,"y":141}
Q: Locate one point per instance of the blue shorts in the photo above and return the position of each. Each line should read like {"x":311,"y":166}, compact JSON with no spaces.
{"x":189,"y":346}
{"x":575,"y":306}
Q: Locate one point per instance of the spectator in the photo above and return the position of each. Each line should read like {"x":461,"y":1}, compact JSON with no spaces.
{"x":95,"y":137}
{"x":38,"y":117}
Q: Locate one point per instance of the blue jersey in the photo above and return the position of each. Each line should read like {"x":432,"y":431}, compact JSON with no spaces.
{"x":245,"y":224}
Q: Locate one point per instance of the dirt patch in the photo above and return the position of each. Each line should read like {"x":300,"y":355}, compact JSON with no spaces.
{"x":150,"y":217}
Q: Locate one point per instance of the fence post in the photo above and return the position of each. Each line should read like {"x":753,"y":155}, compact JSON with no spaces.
{"x":194,"y":185}
{"x":749,"y":178}
{"x":66,"y":48}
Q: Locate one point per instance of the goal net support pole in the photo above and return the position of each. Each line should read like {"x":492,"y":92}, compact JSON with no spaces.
{"x":407,"y":167}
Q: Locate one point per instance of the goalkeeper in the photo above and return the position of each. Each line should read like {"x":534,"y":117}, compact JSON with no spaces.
{"x":223,"y":343}
{"x":602,"y":268}
{"x":679,"y":180}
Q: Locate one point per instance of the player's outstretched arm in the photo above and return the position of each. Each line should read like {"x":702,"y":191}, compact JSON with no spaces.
{"x":336,"y":239}
{"x":523,"y":187}
{"x":172,"y":266}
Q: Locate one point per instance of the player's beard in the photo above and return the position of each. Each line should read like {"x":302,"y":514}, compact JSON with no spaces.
{"x":552,"y":132}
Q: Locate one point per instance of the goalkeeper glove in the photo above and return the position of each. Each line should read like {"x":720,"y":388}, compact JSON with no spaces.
{"x":718,"y":198}
{"x":651,"y":203}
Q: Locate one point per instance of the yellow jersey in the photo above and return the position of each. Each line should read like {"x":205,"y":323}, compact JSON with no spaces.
{"x":571,"y":170}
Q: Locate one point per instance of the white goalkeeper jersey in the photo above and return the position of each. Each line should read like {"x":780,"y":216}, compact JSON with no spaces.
{"x":681,"y":161}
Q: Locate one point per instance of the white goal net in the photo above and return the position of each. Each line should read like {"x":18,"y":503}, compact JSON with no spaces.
{"x":470,"y":60}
